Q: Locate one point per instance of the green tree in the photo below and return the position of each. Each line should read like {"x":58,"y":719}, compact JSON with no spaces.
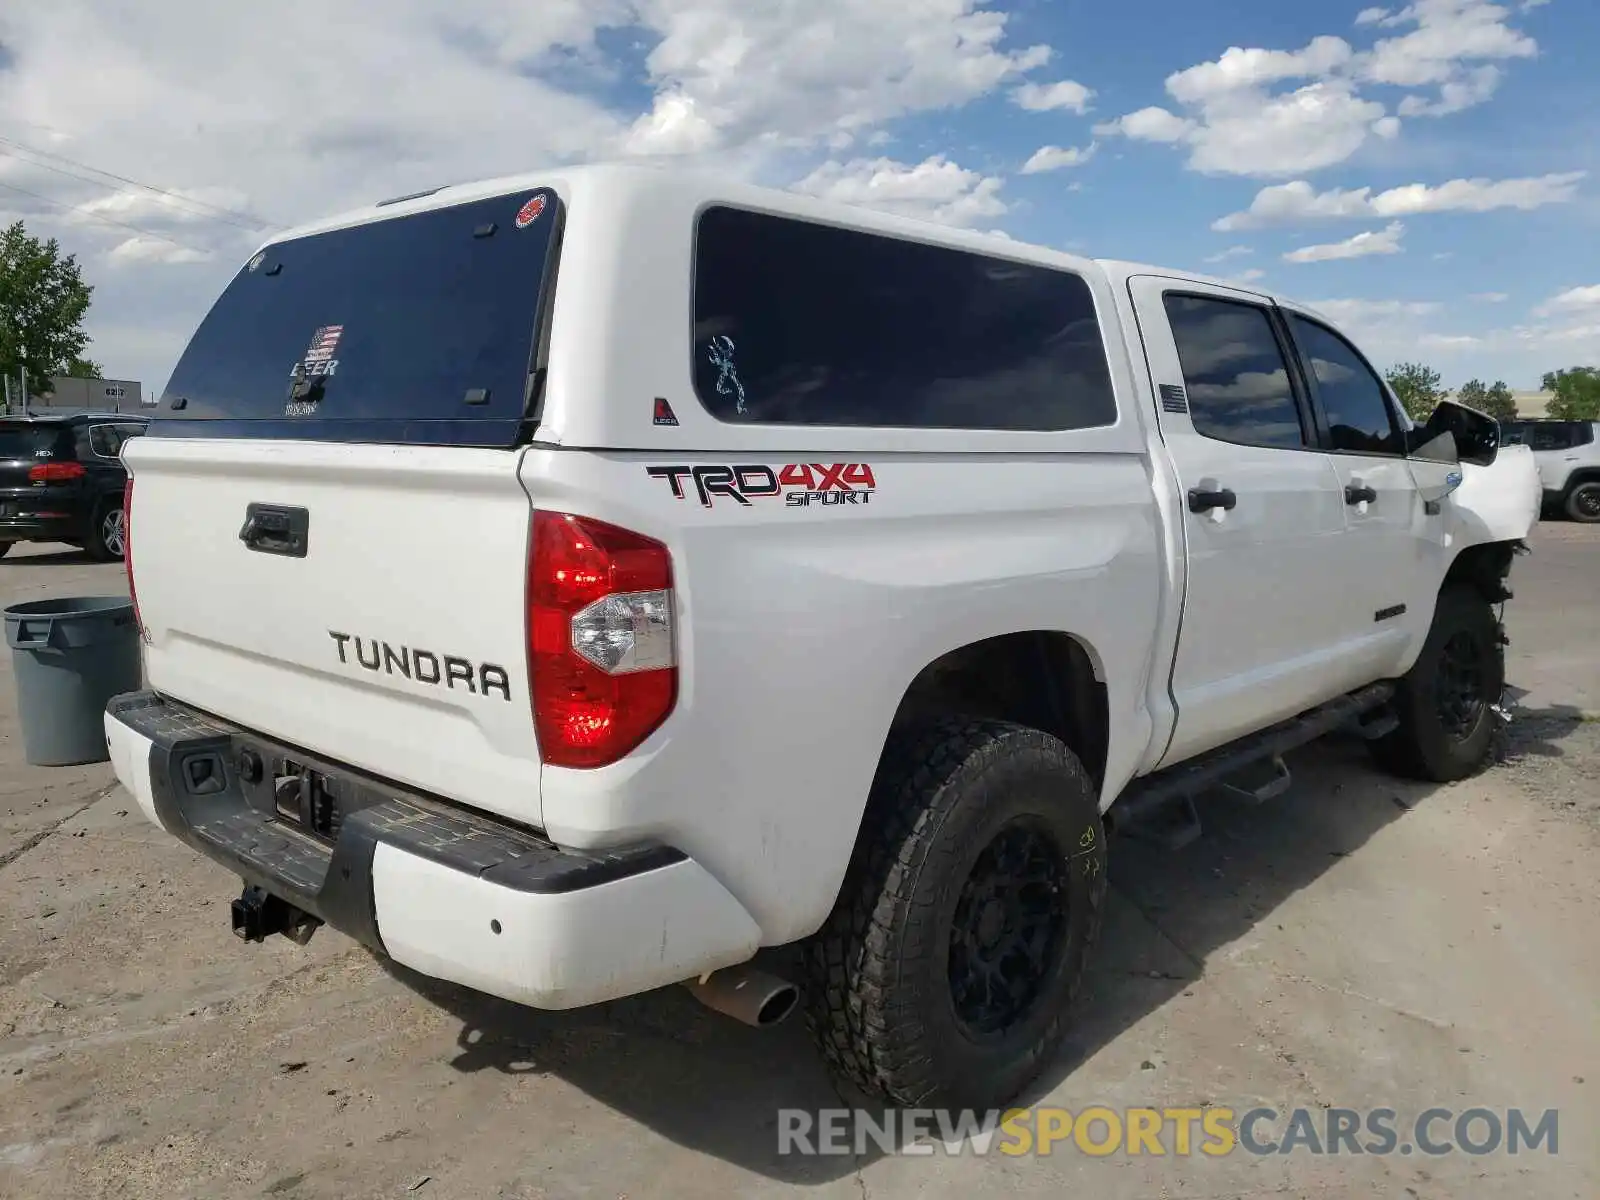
{"x":1497,"y":401}
{"x":1473,"y":394}
{"x":1417,"y":387}
{"x":1577,"y":393}
{"x":43,"y":300}
{"x":84,"y":368}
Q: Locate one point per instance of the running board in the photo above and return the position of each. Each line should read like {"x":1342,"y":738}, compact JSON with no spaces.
{"x":1160,"y":807}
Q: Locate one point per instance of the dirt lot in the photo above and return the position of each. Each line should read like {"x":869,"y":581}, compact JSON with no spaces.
{"x":1356,"y":944}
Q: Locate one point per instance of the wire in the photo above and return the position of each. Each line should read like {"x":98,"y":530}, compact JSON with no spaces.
{"x":259,"y":222}
{"x":102,"y":183}
{"x":103,"y":220}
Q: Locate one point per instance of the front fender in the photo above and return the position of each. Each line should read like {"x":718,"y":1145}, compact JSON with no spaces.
{"x":1497,"y":503}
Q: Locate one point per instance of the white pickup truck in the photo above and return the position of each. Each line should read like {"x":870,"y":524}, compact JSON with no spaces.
{"x":572,"y":585}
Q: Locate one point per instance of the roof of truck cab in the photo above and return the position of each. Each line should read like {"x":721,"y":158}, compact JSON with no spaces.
{"x":1120,"y":272}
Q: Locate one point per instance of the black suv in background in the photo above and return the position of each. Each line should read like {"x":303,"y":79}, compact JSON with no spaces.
{"x":61,"y":480}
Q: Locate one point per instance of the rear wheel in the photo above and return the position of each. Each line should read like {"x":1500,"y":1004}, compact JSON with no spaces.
{"x":108,"y":540}
{"x":960,"y":936}
{"x":1583,"y":502}
{"x":1445,"y":702}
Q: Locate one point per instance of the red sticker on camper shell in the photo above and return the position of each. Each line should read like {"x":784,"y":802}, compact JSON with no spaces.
{"x":529,"y":212}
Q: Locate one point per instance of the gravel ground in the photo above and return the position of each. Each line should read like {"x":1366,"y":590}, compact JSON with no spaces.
{"x":1356,"y":943}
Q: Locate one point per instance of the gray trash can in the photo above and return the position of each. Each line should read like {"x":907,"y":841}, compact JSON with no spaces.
{"x":70,"y":656}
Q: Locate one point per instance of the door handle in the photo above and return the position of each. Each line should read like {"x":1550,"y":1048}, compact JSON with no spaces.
{"x":1202,"y":500}
{"x":276,"y":529}
{"x":1355,"y":493}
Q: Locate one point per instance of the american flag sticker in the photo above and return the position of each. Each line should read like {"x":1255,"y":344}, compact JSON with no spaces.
{"x":323,"y":343}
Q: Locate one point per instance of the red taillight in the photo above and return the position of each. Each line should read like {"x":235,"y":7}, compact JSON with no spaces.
{"x":127,"y":548}
{"x":62,"y":472}
{"x":601,"y":649}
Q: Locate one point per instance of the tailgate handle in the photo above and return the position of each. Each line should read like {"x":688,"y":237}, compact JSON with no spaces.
{"x":276,"y":529}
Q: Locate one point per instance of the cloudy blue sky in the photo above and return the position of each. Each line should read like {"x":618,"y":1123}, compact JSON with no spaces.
{"x":1429,"y":174}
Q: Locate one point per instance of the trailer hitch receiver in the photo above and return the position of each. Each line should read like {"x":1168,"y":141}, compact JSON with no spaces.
{"x":258,"y":914}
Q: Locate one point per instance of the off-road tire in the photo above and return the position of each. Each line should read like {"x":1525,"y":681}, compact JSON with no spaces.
{"x":1583,"y":502}
{"x":879,"y":996}
{"x":96,"y":545}
{"x":1424,"y":746}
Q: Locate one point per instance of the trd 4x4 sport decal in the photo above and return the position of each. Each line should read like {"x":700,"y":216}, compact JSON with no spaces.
{"x":800,"y":484}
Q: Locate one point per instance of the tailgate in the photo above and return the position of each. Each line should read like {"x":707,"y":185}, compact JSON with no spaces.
{"x":330,"y":540}
{"x":392,"y":640}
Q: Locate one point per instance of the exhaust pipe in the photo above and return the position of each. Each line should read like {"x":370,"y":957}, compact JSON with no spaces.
{"x":746,"y":995}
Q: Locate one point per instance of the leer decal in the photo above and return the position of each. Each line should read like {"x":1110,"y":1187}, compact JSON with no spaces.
{"x":306,"y":375}
{"x":800,"y":484}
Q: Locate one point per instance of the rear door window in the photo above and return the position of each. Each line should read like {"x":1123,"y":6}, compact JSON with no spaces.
{"x":106,"y":440}
{"x":417,"y":328}
{"x":808,"y":324}
{"x":1551,"y":437}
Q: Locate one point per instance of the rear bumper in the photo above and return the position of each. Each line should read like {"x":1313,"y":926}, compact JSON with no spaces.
{"x":50,"y":514}
{"x":442,"y":890}
{"x":41,"y":529}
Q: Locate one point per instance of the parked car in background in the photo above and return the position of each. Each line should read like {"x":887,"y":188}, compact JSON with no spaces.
{"x":61,"y":480}
{"x":1568,"y":454}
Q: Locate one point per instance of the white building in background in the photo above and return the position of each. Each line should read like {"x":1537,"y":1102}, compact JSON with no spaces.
{"x":100,"y":395}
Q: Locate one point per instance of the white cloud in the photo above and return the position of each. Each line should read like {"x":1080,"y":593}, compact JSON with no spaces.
{"x":1249,"y":275}
{"x":1358,"y":312}
{"x":1054,"y":158}
{"x":1316,"y":126}
{"x":1153,"y":124}
{"x":143,"y":249}
{"x":1472,"y":88}
{"x":1298,"y":202}
{"x":1240,"y":69}
{"x":1239,"y":129}
{"x":297,"y":110}
{"x":1230,"y":252}
{"x":728,"y":73}
{"x":1233,"y":119}
{"x":1042,"y":97}
{"x":1578,"y":299}
{"x":1489,"y":297}
{"x":935,"y":189}
{"x":1372,"y":241}
{"x":1448,"y":34}
{"x":184,"y":207}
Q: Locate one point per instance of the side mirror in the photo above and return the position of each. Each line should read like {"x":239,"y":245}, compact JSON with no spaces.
{"x":1473,"y":437}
